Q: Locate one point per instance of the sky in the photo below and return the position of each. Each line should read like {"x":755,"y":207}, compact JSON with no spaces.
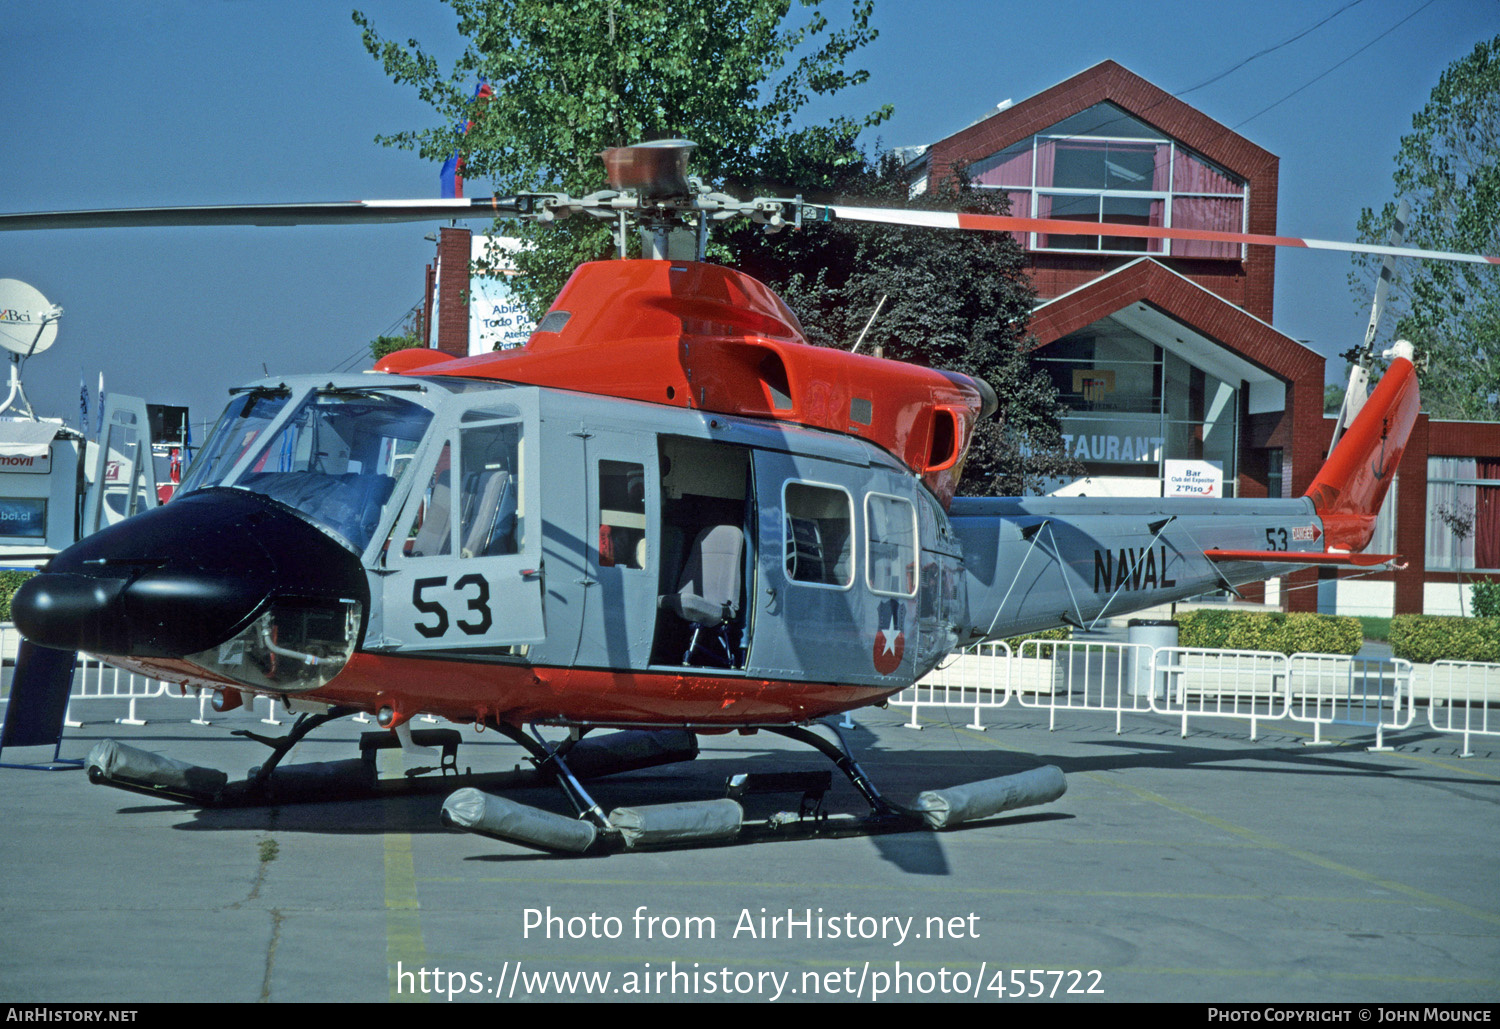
{"x":249,"y":101}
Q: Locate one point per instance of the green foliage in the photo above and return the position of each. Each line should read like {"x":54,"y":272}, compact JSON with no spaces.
{"x":1333,"y":398}
{"x":1487,"y":599}
{"x":10,"y":581}
{"x":574,"y":77}
{"x":1062,"y":632}
{"x":1270,"y":631}
{"x":953,"y":300}
{"x":1424,"y":639}
{"x":384,"y":345}
{"x":1448,"y":168}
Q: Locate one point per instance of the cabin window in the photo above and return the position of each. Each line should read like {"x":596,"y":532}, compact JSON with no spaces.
{"x":891,"y":545}
{"x":622,"y":514}
{"x":819,"y":535}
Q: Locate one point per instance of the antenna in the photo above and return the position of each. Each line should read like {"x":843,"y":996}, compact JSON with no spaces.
{"x":28,"y":325}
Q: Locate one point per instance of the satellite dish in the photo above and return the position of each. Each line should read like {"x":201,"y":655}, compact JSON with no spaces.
{"x":28,"y":323}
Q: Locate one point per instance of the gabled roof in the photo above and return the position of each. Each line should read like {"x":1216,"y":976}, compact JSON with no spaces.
{"x":1147,"y":281}
{"x":1106,"y":81}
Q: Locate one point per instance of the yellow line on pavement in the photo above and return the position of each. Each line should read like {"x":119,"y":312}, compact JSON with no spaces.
{"x":404,"y":950}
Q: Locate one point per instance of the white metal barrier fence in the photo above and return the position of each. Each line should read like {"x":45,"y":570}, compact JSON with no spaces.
{"x":1202,"y":682}
{"x":1334,"y":689}
{"x":1460,"y":696}
{"x":1189,"y":683}
{"x":1075,"y":676}
{"x":978,"y":677}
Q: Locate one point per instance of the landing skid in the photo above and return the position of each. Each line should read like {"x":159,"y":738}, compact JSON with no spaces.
{"x":138,"y":771}
{"x":472,"y":806}
{"x":722,"y":821}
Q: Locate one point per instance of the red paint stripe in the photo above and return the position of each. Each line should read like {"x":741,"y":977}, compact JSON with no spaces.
{"x":1009,"y":223}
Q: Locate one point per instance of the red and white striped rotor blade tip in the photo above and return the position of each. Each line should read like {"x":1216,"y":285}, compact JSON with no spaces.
{"x":1058,"y":226}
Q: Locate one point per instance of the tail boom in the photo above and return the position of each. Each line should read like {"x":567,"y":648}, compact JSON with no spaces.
{"x":1037,"y":562}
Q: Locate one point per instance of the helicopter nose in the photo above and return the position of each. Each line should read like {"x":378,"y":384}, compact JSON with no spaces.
{"x":214,"y":577}
{"x":71,"y":612}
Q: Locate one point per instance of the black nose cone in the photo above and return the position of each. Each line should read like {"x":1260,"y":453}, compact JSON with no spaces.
{"x":183,"y":577}
{"x":71,"y":612}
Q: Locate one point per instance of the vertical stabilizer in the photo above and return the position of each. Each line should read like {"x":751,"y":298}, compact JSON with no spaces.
{"x":1351,"y":486}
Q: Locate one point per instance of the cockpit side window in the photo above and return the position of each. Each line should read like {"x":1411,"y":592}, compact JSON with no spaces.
{"x":489,"y":490}
{"x":431,"y":530}
{"x":472,"y":504}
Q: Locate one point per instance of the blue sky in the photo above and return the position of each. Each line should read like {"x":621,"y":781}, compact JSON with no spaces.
{"x":219,"y":101}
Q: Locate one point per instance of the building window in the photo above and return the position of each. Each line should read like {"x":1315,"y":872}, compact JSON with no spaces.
{"x":1132,"y":405}
{"x":1463,"y":514}
{"x":1274,"y":484}
{"x":1105,"y":166}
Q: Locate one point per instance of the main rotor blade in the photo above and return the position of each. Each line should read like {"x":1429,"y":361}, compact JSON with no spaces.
{"x":339,"y":212}
{"x":1009,"y":223}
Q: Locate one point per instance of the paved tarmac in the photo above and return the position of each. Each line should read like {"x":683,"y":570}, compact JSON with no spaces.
{"x":1210,"y":868}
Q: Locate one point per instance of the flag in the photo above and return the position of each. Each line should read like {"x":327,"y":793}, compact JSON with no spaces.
{"x":453,"y":168}
{"x":99,"y":429}
{"x":83,"y":403}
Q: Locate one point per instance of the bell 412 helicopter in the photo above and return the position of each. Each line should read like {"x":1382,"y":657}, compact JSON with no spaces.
{"x":666,"y":514}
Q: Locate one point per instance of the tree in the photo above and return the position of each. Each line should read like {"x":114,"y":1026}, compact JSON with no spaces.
{"x":382,"y":346}
{"x":953,"y":300}
{"x":571,"y":78}
{"x":1448,"y":168}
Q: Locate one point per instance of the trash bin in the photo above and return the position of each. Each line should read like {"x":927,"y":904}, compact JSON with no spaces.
{"x":1149,"y":633}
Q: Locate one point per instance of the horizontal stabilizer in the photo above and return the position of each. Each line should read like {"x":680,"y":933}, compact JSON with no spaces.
{"x":1294,"y":557}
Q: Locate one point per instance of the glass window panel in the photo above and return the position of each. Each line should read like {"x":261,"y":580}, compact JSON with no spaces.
{"x":1132,"y":211}
{"x":1105,"y":119}
{"x":432,"y":530}
{"x":819,"y":535}
{"x":1010,"y":167}
{"x":489,"y":489}
{"x":237,"y":430}
{"x":891,"y":557}
{"x":1192,"y":174}
{"x":622,"y":514}
{"x":338,"y":457}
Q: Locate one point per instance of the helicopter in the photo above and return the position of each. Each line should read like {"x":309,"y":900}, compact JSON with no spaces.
{"x":666,"y":515}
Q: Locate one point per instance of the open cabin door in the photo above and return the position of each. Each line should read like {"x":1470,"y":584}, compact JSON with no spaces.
{"x":462,"y":567}
{"x":620,"y":539}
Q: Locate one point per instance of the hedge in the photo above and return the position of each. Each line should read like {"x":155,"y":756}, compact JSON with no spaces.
{"x":1487,"y":599}
{"x":10,"y":581}
{"x":1272,"y":631}
{"x":1424,"y":639}
{"x":1062,"y":632}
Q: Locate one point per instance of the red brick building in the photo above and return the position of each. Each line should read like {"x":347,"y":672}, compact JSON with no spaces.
{"x":1172,"y":345}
